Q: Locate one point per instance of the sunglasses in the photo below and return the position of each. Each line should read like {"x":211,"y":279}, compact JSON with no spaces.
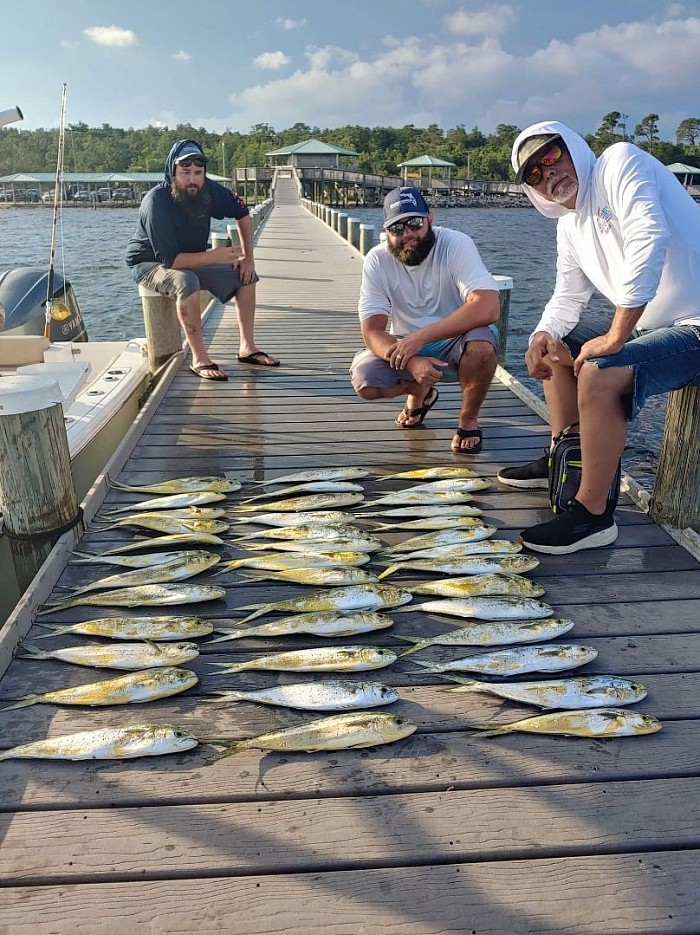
{"x":186,"y":163}
{"x":533,"y":174}
{"x":413,"y":224}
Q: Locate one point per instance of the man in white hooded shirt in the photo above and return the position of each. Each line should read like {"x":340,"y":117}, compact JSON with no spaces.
{"x":628,"y":229}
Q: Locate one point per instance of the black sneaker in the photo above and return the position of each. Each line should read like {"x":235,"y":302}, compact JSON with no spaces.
{"x":533,"y":474}
{"x":576,"y":529}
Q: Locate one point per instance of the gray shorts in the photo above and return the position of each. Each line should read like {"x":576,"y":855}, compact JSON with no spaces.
{"x":221,"y":279}
{"x":367,"y":369}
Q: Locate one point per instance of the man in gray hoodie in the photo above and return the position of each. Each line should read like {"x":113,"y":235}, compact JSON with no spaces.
{"x":169,"y":253}
{"x":626,"y":228}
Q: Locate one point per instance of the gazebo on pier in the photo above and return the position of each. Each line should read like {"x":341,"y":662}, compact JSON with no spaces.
{"x":428,"y":163}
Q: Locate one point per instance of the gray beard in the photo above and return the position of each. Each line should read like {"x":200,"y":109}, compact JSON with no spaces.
{"x":413,"y":255}
{"x":197,"y":206}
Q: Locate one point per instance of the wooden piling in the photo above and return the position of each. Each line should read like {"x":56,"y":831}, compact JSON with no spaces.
{"x":676,"y":497}
{"x":366,"y":238}
{"x":37,"y":490}
{"x":162,"y":327}
{"x":505,"y":287}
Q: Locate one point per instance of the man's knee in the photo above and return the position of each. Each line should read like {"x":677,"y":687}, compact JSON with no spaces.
{"x":369,"y":392}
{"x":479,"y":354}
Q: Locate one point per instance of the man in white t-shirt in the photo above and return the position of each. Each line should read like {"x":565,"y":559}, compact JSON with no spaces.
{"x":427,"y":311}
{"x":627,"y":229}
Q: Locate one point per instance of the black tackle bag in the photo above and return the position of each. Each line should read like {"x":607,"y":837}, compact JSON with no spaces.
{"x":565,"y":471}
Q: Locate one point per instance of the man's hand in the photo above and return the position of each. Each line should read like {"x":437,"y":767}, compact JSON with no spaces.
{"x":404,"y":349}
{"x":597,"y":347}
{"x":425,"y":370}
{"x":542,"y":346}
{"x":229,"y":255}
{"x":246,"y":269}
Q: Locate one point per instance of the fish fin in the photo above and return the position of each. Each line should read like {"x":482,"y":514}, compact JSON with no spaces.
{"x":226,"y":695}
{"x":54,"y":630}
{"x":31,"y":652}
{"x":485,"y":730}
{"x":227,"y":636}
{"x":430,"y":666}
{"x":389,"y":570}
{"x":419,"y":644}
{"x":229,"y":747}
{"x":257,"y":613}
{"x":24,"y":702}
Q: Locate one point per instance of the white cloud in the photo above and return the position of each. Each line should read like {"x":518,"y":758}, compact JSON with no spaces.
{"x":181,"y":56}
{"x":113,"y":36}
{"x":69,"y":44}
{"x":489,"y":22}
{"x":271,"y":60}
{"x":322,"y":58}
{"x":289,"y":23}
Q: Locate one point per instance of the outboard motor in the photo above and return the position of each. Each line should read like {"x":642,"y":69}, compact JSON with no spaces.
{"x":23,"y":305}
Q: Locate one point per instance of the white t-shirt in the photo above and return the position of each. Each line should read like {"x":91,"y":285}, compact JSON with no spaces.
{"x":416,"y":296}
{"x":634,"y":235}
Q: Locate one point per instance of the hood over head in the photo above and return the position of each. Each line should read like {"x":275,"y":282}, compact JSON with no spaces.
{"x":180,"y":150}
{"x":581,"y":154}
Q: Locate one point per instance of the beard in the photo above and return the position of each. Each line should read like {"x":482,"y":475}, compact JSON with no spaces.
{"x":197,"y":205}
{"x":564,"y":191}
{"x":413,"y":254}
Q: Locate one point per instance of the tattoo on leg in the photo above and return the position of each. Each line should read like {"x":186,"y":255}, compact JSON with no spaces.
{"x":189,"y":329}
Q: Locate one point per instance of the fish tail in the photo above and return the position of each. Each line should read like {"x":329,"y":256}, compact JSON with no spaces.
{"x":430,"y":666}
{"x":24,"y":702}
{"x":388,"y":571}
{"x":226,"y":636}
{"x":54,"y":630}
{"x":52,"y":608}
{"x":85,"y":558}
{"x":228,"y":748}
{"x":228,"y":695}
{"x":465,"y":684}
{"x":256,"y":613}
{"x":116,"y":483}
{"x":486,"y":730}
{"x":403,"y":610}
{"x":31,"y":652}
{"x":419,"y":644}
{"x":225,"y":667}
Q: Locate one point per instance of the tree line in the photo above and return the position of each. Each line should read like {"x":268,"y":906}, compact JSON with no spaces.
{"x":380,"y":149}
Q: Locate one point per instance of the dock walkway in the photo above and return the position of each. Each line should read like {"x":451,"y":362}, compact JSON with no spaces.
{"x":440,"y":833}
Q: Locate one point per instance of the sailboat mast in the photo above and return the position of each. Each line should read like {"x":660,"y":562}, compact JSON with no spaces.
{"x":57,"y":198}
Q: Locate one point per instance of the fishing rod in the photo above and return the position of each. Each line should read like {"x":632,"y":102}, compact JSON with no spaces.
{"x":56,"y":203}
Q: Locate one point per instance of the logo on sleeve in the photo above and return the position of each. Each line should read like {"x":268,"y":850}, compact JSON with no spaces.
{"x":604,"y":218}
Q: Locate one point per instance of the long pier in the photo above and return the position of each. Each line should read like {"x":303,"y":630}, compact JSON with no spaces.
{"x":444,"y":832}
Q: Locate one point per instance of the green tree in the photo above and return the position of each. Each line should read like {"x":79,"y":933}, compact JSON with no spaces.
{"x":688,"y":131}
{"x":648,"y":128}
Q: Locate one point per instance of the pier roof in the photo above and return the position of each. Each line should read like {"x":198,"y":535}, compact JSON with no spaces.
{"x":312,"y":147}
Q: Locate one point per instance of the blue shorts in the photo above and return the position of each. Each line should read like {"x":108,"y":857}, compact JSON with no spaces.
{"x":369,"y":370}
{"x":662,"y":360}
{"x":221,"y":279}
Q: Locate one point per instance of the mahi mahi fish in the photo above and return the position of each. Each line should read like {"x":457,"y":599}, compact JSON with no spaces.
{"x":318,"y":486}
{"x":433,"y":473}
{"x":185,"y":565}
{"x":480,"y":586}
{"x":354,"y":597}
{"x":319,"y":659}
{"x":107,"y":743}
{"x":471,"y":565}
{"x":316,"y":577}
{"x":495,"y":633}
{"x":176,"y":502}
{"x":129,"y":656}
{"x":442,"y":537}
{"x":317,"y":501}
{"x":134,"y":688}
{"x":149,"y":595}
{"x":329,"y":695}
{"x":153,"y":629}
{"x":320,"y":474}
{"x":165,"y":542}
{"x":300,"y":518}
{"x":595,"y":722}
{"x":550,"y":657}
{"x":277,"y":561}
{"x":182,"y":485}
{"x":322,"y":623}
{"x":586,"y":691}
{"x":162,"y":522}
{"x":485,"y":608}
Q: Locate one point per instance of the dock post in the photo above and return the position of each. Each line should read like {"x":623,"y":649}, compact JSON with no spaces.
{"x":366,"y":238}
{"x":342,"y":221}
{"x":354,"y":232}
{"x":162,"y":327}
{"x":505,"y":288}
{"x":333,"y":219}
{"x":219,"y":240}
{"x":676,"y":496}
{"x":37,"y":490}
{"x":232,"y":232}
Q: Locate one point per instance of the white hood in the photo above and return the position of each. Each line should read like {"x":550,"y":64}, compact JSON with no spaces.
{"x":582,"y":156}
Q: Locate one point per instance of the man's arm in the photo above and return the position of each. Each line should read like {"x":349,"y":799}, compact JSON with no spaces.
{"x":424,"y":370}
{"x":246,"y":261}
{"x":229,"y":255}
{"x":623,"y":324}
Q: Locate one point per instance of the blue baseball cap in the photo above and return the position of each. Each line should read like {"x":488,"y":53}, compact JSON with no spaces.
{"x":404,"y":202}
{"x":190,"y":150}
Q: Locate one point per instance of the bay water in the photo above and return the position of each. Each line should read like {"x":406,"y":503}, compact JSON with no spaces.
{"x":515,"y":242}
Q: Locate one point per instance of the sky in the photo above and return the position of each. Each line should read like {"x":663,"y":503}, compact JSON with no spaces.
{"x":328,"y":63}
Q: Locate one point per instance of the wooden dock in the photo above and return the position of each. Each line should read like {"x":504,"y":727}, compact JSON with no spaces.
{"x":440,"y":833}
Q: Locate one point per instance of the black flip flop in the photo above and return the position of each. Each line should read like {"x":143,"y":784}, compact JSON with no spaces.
{"x":210,"y":366}
{"x":255,"y":358}
{"x":421,"y":411}
{"x":468,"y":433}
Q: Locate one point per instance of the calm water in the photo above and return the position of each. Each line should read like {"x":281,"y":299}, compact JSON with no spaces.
{"x":515,"y":242}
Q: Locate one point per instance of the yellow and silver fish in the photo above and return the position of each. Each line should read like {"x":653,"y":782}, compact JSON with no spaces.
{"x":321,"y":531}
{"x":586,"y":691}
{"x":486,"y":608}
{"x":322,"y":623}
{"x":301,"y":518}
{"x":596,"y":722}
{"x":550,"y":657}
{"x":317,"y":486}
{"x":127,"y":656}
{"x":176,"y":502}
{"x":318,"y":501}
{"x":153,"y":629}
{"x":497,"y":633}
{"x":480,"y":586}
{"x":350,"y":731}
{"x":182,"y":485}
{"x":465,"y":549}
{"x":318,"y":577}
{"x":107,"y":743}
{"x":320,"y":474}
{"x":135,"y":688}
{"x":444,"y":521}
{"x":354,"y":597}
{"x":418,"y":497}
{"x":359,"y":542}
{"x":433,"y":473}
{"x":186,"y":565}
{"x":329,"y":695}
{"x":162,"y":522}
{"x":150,"y":595}
{"x":150,"y":560}
{"x":427,"y":511}
{"x":442,"y":537}
{"x":319,"y":659}
{"x":280,"y":562}
{"x":165,"y":542}
{"x":471,"y":565}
